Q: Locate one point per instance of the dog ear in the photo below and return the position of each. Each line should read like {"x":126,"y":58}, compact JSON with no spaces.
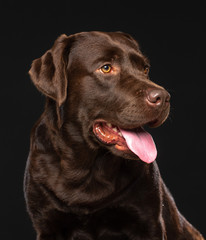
{"x":48,"y":73}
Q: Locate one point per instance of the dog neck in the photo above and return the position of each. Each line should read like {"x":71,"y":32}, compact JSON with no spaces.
{"x":94,"y":178}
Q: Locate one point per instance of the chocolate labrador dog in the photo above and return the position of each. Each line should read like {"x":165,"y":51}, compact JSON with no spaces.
{"x":91,"y":173}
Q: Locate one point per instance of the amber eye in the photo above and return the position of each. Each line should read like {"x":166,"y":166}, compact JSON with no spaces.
{"x":106,"y":68}
{"x":146,"y":70}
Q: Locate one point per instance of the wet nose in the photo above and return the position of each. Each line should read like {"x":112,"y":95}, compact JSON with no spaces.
{"x":157,"y":97}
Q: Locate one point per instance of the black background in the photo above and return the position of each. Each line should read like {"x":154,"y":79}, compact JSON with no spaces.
{"x":172,"y":36}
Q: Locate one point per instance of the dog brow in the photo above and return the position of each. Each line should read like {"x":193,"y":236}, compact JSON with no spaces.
{"x":109,"y":55}
{"x":137,"y":59}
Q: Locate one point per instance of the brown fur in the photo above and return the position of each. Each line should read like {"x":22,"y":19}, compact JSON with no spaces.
{"x":76,"y":186}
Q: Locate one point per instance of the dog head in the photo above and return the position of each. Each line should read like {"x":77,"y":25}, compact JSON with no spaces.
{"x":100,"y":81}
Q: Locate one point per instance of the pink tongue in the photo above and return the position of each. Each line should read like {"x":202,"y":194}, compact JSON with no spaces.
{"x":141,"y":143}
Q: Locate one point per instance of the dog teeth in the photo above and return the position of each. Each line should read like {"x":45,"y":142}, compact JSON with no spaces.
{"x":109,"y":125}
{"x":115,"y":129}
{"x":120,"y":134}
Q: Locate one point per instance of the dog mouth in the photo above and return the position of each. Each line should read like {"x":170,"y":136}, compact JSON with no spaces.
{"x":136,"y":140}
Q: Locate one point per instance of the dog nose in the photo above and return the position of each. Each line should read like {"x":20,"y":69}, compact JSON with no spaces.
{"x":157,"y":97}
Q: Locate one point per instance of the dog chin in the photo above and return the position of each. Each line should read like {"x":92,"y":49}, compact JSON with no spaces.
{"x":126,"y":154}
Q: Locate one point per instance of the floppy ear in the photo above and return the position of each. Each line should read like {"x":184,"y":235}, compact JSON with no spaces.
{"x":48,"y":73}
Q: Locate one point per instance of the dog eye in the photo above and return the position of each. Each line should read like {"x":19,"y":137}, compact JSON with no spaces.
{"x":106,"y":68}
{"x":146,"y":70}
